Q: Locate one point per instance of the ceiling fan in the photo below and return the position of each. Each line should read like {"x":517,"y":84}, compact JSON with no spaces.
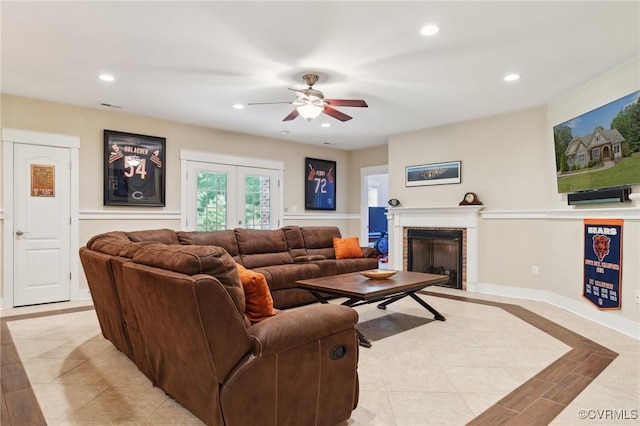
{"x":311,"y":103}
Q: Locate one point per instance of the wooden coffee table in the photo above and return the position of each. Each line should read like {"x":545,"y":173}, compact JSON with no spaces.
{"x":361,"y":290}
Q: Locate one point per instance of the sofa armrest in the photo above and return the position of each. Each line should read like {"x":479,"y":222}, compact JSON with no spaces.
{"x":297,"y":327}
{"x":369,"y":252}
{"x":307,"y":259}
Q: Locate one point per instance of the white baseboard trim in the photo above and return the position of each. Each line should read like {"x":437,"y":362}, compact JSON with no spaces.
{"x":83,"y":294}
{"x":605,"y":318}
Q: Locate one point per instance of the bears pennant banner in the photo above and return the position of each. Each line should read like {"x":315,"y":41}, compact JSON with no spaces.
{"x":603,"y":262}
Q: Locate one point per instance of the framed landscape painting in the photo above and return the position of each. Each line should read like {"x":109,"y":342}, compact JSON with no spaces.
{"x":433,"y":174}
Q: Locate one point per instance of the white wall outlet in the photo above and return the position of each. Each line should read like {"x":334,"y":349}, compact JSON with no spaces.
{"x":535,"y":271}
{"x":637,"y":296}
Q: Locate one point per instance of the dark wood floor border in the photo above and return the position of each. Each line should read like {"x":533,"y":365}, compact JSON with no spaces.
{"x":536,"y":402}
{"x":19,"y":406}
{"x":541,"y":398}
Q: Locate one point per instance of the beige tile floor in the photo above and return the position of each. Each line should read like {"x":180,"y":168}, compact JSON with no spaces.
{"x":418,"y":372}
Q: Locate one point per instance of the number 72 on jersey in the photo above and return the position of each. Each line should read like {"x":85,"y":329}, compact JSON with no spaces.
{"x":320,"y":184}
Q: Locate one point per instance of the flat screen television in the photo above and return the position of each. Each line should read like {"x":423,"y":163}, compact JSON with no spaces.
{"x":601,"y":148}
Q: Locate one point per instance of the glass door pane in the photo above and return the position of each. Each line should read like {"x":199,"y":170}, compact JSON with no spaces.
{"x":211,"y":197}
{"x":259,"y":198}
{"x":211,"y":201}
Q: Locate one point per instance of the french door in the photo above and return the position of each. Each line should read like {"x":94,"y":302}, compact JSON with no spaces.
{"x":222,"y":196}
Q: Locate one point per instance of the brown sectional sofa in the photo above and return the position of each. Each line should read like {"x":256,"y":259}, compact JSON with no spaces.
{"x":173,"y":303}
{"x":284,"y":256}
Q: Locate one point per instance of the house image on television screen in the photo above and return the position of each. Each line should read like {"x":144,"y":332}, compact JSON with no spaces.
{"x":601,"y":148}
{"x":601,"y":144}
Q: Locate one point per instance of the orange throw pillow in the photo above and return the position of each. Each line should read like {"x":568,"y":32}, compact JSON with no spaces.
{"x":259,"y":304}
{"x":347,"y":248}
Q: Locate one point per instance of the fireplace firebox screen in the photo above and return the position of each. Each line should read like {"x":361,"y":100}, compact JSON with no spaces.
{"x":436,"y":252}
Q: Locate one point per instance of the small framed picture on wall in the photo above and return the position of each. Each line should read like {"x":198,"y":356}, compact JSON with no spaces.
{"x":134,"y":169}
{"x":320,"y":184}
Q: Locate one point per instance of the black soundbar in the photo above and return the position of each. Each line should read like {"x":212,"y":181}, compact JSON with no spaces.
{"x":607,"y":195}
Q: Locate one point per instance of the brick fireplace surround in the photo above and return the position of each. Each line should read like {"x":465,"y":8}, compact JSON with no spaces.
{"x":463,"y":218}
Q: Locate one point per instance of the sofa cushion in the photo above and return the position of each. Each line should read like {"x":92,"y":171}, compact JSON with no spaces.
{"x":285,"y":276}
{"x":166,"y":236}
{"x":347,"y":248}
{"x":132,"y":248}
{"x":295,"y":242}
{"x":192,"y":260}
{"x":225,"y":239}
{"x":262,"y":247}
{"x":345,"y":266}
{"x":259,"y":304}
{"x":111,"y":243}
{"x":319,"y":240}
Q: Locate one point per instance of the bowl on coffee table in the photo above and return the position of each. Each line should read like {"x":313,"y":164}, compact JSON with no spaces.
{"x":378,"y":274}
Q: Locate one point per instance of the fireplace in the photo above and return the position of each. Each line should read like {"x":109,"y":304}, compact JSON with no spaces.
{"x":437,"y":251}
{"x":455,"y":218}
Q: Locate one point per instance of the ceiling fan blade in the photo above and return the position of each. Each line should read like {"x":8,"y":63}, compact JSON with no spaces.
{"x":292,"y":116}
{"x":336,"y":114}
{"x":300,"y":93}
{"x":269,"y":103}
{"x":347,"y":102}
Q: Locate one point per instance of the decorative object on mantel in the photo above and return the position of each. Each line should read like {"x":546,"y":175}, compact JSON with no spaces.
{"x":394,"y":202}
{"x":470,"y":199}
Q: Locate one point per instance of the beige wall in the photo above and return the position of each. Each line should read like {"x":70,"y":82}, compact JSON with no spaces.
{"x":89,"y":123}
{"x":502,"y":161}
{"x":508,"y":160}
{"x":358,"y":159}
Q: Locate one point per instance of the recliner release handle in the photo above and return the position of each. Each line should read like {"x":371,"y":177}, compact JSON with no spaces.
{"x":338,"y":352}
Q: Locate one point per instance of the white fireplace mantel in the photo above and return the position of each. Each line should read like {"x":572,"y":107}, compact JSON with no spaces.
{"x":435,"y":217}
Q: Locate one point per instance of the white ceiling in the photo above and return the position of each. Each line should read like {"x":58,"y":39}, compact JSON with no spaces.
{"x":191,"y":61}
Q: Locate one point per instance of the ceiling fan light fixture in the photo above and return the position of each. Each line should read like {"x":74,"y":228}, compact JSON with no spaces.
{"x":310,"y":111}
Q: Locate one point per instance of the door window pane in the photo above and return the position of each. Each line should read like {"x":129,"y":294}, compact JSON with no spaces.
{"x":211,"y":201}
{"x":257,"y":202}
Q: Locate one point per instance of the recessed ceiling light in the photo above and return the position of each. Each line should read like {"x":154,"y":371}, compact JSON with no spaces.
{"x":284,"y":132}
{"x":325,"y":125}
{"x":512,"y":77}
{"x":429,"y":30}
{"x":107,"y":77}
{"x":238,"y":106}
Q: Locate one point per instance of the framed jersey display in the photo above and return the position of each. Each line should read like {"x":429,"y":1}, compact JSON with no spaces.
{"x":320,"y":184}
{"x":133,"y":169}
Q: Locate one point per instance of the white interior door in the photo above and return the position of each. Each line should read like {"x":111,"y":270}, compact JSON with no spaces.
{"x":42,"y":224}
